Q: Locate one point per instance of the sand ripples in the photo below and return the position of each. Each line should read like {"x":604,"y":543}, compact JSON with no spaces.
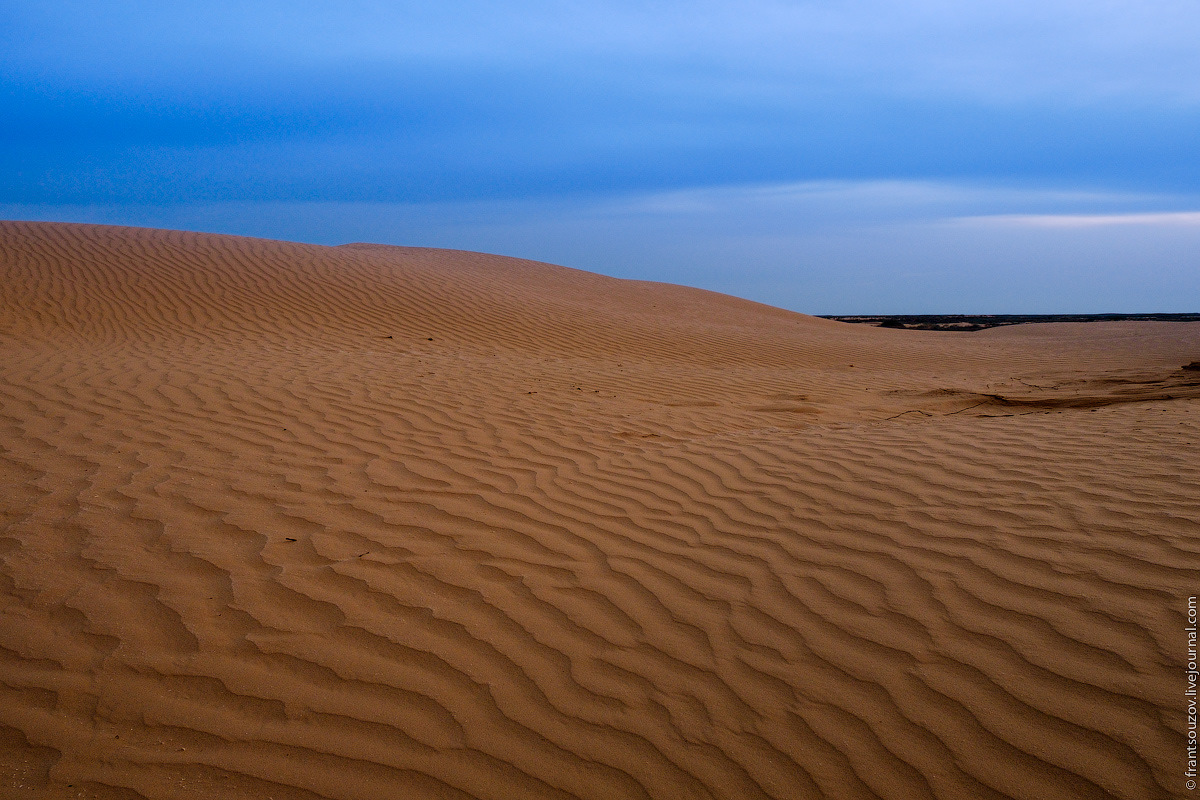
{"x":290,"y":521}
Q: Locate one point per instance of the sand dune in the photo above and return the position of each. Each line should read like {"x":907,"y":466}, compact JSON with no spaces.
{"x":288,"y":521}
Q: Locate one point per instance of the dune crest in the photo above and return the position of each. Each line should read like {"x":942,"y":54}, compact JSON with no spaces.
{"x":292,"y":521}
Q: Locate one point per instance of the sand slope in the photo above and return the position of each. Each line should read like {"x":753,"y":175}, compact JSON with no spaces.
{"x":287,"y":521}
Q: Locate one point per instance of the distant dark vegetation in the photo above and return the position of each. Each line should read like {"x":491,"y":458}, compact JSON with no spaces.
{"x":967,"y":322}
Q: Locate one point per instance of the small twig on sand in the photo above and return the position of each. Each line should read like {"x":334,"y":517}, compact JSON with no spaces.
{"x":910,"y":411}
{"x":968,"y":408}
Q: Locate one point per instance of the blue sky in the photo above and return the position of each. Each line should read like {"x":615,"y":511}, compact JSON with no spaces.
{"x":847,"y":156}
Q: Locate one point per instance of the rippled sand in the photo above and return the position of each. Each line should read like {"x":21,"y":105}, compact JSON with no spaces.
{"x":288,"y":521}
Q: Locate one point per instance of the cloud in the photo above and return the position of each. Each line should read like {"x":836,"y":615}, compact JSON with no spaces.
{"x":362,"y":101}
{"x":800,"y":204}
{"x":998,"y":49}
{"x":1173,"y":218}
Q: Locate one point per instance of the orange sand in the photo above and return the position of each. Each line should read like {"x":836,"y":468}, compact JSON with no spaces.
{"x":288,"y":521}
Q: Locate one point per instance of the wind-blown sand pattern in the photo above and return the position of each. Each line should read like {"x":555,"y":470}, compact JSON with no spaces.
{"x":288,"y":521}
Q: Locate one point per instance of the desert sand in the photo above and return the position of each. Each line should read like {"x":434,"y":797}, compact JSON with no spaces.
{"x":291,"y":521}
